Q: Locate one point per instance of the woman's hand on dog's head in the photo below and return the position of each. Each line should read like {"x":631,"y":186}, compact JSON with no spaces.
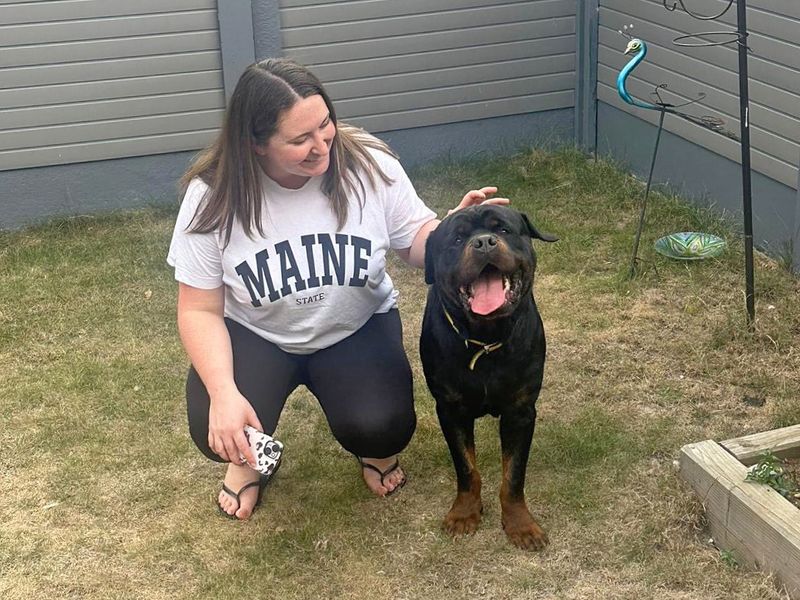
{"x":481,"y":196}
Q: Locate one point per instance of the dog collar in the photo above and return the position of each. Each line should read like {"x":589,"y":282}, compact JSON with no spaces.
{"x":485,"y":348}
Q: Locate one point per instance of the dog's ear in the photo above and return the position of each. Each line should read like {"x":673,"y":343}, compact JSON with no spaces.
{"x":430,"y":250}
{"x":535,"y":233}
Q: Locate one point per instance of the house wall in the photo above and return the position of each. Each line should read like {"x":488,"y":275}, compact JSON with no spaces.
{"x":397,"y":65}
{"x":93,"y":80}
{"x":102,"y":102}
{"x":433,"y":77}
{"x":696,"y":161}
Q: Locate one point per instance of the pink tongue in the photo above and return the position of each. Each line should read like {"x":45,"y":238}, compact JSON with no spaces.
{"x":487,"y":294}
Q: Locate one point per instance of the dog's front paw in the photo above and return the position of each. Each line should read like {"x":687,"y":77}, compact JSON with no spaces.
{"x":523,"y":531}
{"x":464,"y":515}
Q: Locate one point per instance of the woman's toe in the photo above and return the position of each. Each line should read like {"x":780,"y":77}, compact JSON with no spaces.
{"x":396,"y":478}
{"x":226,"y":503}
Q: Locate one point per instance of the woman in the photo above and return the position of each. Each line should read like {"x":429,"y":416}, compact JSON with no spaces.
{"x":279,"y":250}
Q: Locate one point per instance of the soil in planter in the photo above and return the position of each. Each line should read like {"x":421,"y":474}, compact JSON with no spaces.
{"x":791,"y":468}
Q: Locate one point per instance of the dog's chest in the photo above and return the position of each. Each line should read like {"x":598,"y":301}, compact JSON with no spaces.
{"x":490,"y":388}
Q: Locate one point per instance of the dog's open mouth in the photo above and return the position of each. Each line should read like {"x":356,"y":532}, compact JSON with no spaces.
{"x":491,"y":291}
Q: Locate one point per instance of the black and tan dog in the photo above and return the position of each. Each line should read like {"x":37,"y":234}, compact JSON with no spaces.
{"x":483,"y":350}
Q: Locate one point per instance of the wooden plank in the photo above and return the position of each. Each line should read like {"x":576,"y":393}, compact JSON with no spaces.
{"x":784,"y":442}
{"x":753,"y":521}
{"x":425,"y":42}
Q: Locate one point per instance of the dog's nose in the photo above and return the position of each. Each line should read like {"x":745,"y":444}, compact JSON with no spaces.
{"x":484,"y":243}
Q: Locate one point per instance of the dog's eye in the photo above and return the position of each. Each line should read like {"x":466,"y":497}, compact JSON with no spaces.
{"x":458,"y":239}
{"x":504,"y":230}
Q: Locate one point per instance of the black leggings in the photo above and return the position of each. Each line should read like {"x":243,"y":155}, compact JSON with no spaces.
{"x":363,"y":384}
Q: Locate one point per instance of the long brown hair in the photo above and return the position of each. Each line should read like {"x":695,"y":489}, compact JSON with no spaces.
{"x":228,"y":166}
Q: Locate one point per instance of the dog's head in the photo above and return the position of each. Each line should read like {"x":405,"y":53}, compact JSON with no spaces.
{"x":482,"y":261}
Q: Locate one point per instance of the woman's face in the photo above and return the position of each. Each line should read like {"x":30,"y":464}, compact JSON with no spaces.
{"x":300,"y":148}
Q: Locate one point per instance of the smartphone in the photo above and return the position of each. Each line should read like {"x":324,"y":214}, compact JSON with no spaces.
{"x":266,"y":449}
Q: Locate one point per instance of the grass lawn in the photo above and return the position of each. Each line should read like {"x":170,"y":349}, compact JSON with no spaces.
{"x":105,"y":496}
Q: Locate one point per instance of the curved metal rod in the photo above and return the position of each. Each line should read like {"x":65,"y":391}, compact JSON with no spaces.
{"x":698,"y":15}
{"x":656,"y":96}
{"x":735,"y":38}
{"x":714,"y":124}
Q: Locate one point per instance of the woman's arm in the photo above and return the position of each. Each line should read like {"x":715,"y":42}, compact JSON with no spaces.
{"x":202,"y":329}
{"x":415,"y":255}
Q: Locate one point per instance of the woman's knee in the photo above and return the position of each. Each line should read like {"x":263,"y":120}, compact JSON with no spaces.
{"x":377,"y":434}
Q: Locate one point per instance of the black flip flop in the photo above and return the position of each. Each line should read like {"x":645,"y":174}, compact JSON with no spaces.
{"x":261,"y":482}
{"x":383,"y":474}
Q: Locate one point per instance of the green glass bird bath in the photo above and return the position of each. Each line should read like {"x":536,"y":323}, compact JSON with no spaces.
{"x":690,"y":245}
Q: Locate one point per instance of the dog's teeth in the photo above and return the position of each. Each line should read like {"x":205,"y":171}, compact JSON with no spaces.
{"x":506,"y":284}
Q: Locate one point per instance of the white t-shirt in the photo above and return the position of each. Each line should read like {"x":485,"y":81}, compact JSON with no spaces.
{"x":304,"y":286}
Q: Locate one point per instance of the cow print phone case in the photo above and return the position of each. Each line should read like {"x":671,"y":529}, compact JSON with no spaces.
{"x":266,"y":449}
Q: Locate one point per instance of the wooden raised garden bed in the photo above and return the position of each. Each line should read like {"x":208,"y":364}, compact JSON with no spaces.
{"x":755,"y":523}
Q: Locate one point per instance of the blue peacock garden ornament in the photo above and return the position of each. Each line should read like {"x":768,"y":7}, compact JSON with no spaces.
{"x":638,"y":48}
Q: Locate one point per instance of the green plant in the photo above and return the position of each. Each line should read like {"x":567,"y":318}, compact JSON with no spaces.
{"x":769,"y":471}
{"x":728,"y":558}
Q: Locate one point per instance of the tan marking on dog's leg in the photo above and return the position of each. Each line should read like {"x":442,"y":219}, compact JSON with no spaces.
{"x":520,"y":527}
{"x":465,"y":514}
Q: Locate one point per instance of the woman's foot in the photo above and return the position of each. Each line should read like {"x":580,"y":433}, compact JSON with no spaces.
{"x":382,"y":475}
{"x":236,"y":478}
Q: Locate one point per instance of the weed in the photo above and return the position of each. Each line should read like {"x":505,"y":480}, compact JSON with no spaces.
{"x":769,"y":471}
{"x":728,"y":559}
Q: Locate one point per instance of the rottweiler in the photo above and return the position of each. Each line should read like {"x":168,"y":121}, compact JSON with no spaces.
{"x":483,"y":349}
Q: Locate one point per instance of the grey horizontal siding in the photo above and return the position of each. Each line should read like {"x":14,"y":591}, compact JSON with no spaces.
{"x":20,"y":56}
{"x":318,"y":14}
{"x":108,"y":89}
{"x":38,"y":116}
{"x":37,"y":12}
{"x":394,"y":65}
{"x":102,"y":150}
{"x":109,"y":27}
{"x":85,"y":80}
{"x":102,"y":70}
{"x":774,"y":67}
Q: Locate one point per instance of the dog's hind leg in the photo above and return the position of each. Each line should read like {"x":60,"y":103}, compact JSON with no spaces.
{"x":516,"y":435}
{"x":465,"y":514}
